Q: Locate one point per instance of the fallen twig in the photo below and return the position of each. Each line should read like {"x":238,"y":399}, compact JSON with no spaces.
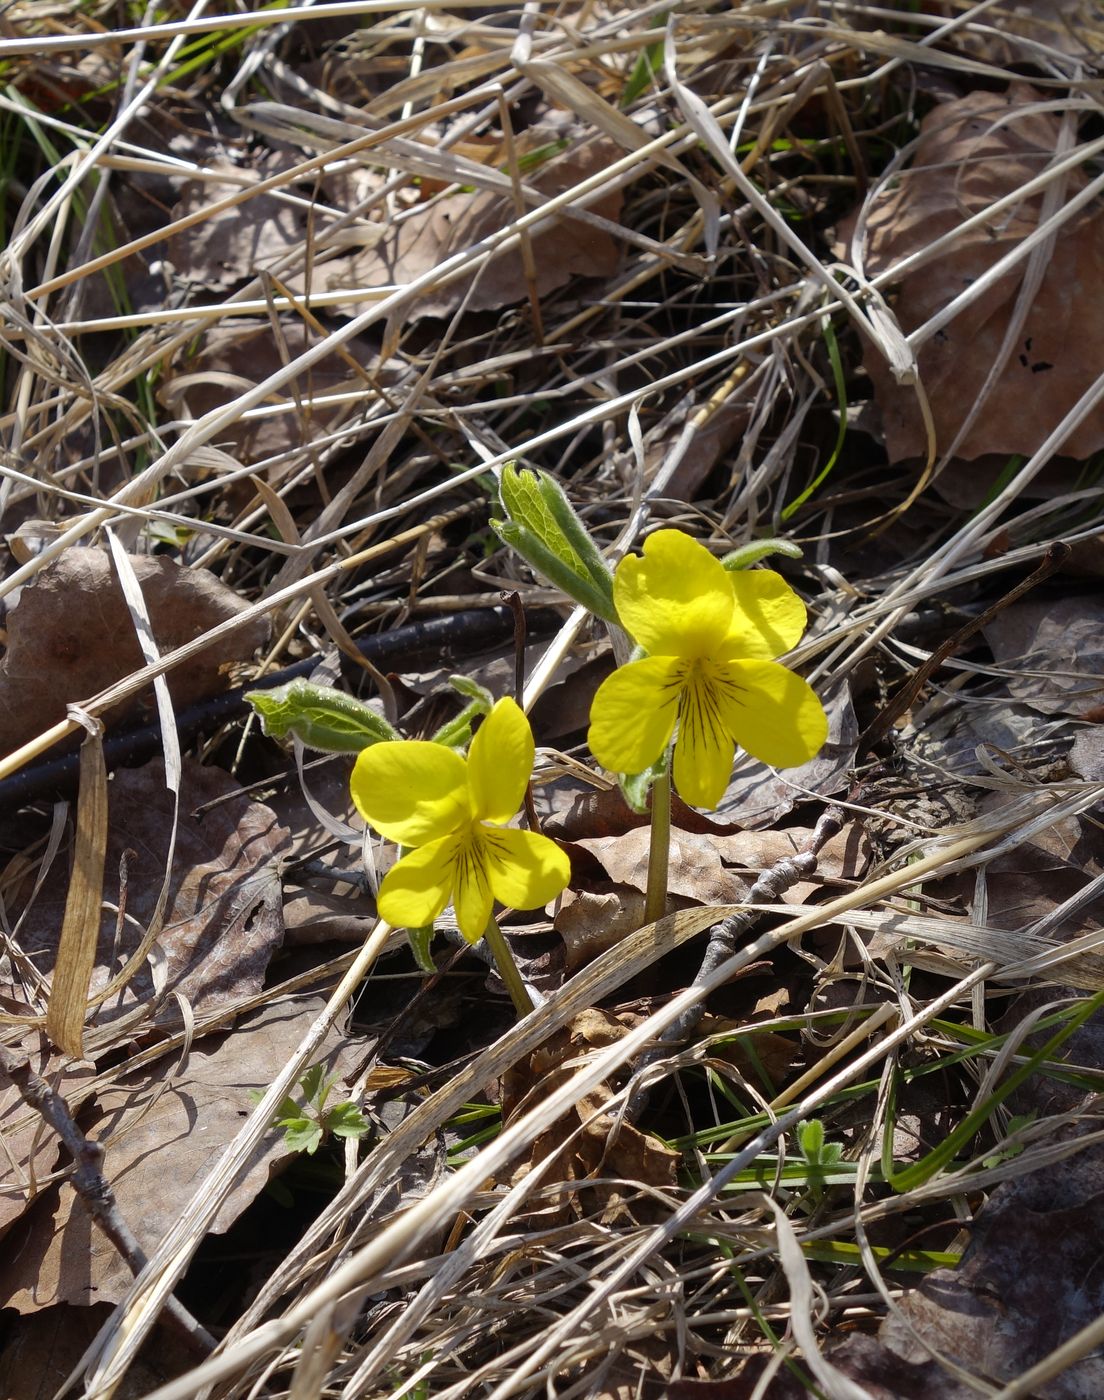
{"x":94,"y":1189}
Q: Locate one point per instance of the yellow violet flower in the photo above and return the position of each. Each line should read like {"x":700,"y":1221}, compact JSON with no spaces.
{"x":453,"y":810}
{"x":711,"y":636}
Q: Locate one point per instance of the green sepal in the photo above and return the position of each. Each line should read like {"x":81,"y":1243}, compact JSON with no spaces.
{"x":545,"y":530}
{"x":636,"y":786}
{"x":751,"y":553}
{"x":322,"y":717}
{"x":420,"y":942}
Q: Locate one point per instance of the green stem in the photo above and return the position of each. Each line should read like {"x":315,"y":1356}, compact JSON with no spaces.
{"x":507,"y":968}
{"x":659,"y":848}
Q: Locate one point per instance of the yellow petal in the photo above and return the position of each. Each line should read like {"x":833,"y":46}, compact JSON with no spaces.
{"x":500,"y":763}
{"x":675,"y":601}
{"x":768,"y":619}
{"x":704,"y":747}
{"x":417,"y":888}
{"x":411,"y":791}
{"x":525,"y":869}
{"x":471,"y":890}
{"x":772,"y":713}
{"x":632,"y":716}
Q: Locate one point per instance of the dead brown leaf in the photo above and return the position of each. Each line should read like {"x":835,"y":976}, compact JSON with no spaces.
{"x":224,"y":917}
{"x":695,"y":869}
{"x":589,"y":922}
{"x":703,"y":870}
{"x":161,"y":1143}
{"x":589,"y":1142}
{"x":70,"y":636}
{"x":1065,"y":26}
{"x":233,"y":245}
{"x":426,"y":237}
{"x":570,"y":811}
{"x":43,"y":1350}
{"x":964,"y":162}
{"x":1057,"y":647}
{"x":1029,"y":1279}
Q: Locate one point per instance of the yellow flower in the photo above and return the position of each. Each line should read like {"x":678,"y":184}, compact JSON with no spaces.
{"x":453,"y":810}
{"x":710,"y":635}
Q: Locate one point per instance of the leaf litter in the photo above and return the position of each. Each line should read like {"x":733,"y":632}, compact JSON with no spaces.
{"x":358,"y":348}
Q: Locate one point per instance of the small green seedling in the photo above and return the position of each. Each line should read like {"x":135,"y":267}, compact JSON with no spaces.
{"x":1016,"y":1124}
{"x":820,"y":1156}
{"x":307,"y":1125}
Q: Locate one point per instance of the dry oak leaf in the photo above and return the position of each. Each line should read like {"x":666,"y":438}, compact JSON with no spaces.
{"x":161,"y":1142}
{"x":224,"y":919}
{"x":972,"y":151}
{"x":70,"y":636}
{"x":701,"y":872}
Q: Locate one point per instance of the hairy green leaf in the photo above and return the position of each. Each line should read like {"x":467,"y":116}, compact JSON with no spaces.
{"x":322,"y":717}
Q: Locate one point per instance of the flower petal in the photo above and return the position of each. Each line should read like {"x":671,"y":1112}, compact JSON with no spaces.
{"x":500,"y":763}
{"x":416,"y":889}
{"x":525,"y":869}
{"x":633,"y":713}
{"x":768,"y":619}
{"x":471,"y":891}
{"x":772,"y":713}
{"x":704,"y":747}
{"x":675,"y":601}
{"x":411,"y":791}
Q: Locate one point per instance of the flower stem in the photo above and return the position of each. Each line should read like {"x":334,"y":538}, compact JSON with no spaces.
{"x":507,"y":968}
{"x":659,"y":848}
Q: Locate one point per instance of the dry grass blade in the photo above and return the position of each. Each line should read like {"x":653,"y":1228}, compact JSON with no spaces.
{"x":80,"y":928}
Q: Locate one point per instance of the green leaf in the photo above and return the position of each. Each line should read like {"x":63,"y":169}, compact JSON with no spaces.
{"x":421,"y":940}
{"x":810,"y":1135}
{"x":545,"y":530}
{"x":531,"y":159}
{"x":303,"y":1135}
{"x":575,"y":533}
{"x":311,"y":1083}
{"x":345,"y":1120}
{"x":322,"y":717}
{"x":751,"y":553}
